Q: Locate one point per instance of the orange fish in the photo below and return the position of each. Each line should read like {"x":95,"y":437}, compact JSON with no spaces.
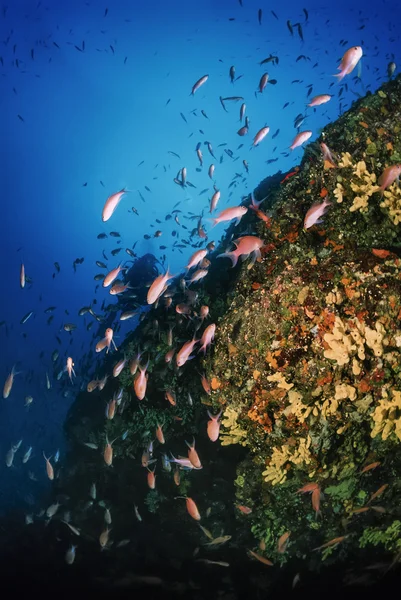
{"x":283,"y":542}
{"x":377,"y":493}
{"x":111,"y":409}
{"x":177,"y":478}
{"x":191,"y":507}
{"x":158,"y":287}
{"x":141,"y":382}
{"x":370,"y":467}
{"x":193,"y":455}
{"x":111,"y":204}
{"x":108,"y":452}
{"x":9,"y":383}
{"x":389,"y":175}
{"x":318,"y":100}
{"x":244,"y":509}
{"x":213,"y":426}
{"x":159,"y":434}
{"x":151,"y":478}
{"x":170,"y":396}
{"x":260,"y":558}
{"x":349,"y":62}
{"x":70,"y":368}
{"x":22,"y":276}
{"x":112,"y":275}
{"x":49,"y":468}
{"x":332,"y":542}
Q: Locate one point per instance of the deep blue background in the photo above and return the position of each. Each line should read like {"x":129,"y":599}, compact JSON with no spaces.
{"x":90,"y":116}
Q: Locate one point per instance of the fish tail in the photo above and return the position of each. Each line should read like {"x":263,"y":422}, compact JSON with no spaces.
{"x":231,"y":255}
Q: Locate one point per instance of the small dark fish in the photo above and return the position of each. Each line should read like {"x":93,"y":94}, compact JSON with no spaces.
{"x":50,"y":309}
{"x":290,"y":27}
{"x":21,"y":118}
{"x":101,"y":183}
{"x":115,"y":234}
{"x":306,"y":15}
{"x":57,"y":267}
{"x":26,"y":317}
{"x":85,"y":184}
{"x":125,"y":59}
{"x":300,"y":31}
{"x":204,"y":114}
{"x":99,"y":277}
{"x":105,"y":12}
{"x":101,"y":265}
{"x":174,"y":154}
{"x":286,"y":104}
{"x":222,"y":103}
{"x":183,"y":117}
{"x":274,"y":14}
{"x":112,"y":49}
{"x":276,"y":134}
{"x":116,"y":251}
{"x":260,"y":16}
{"x":130,"y":252}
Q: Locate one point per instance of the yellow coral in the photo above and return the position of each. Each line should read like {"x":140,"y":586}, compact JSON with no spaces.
{"x":350,"y":338}
{"x":363,"y":186}
{"x":235,"y":434}
{"x":279,"y":377}
{"x":339,"y":192}
{"x":387,"y":416}
{"x":275,"y":473}
{"x":297,"y":407}
{"x":345,"y":160}
{"x":392,"y":202}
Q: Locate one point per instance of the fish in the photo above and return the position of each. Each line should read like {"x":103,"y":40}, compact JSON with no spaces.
{"x":26,"y":317}
{"x":49,"y":467}
{"x":70,"y":555}
{"x":263,"y":82}
{"x":228,"y":214}
{"x":193,"y":455}
{"x":207,"y":337}
{"x":213,"y":426}
{"x":9,"y":383}
{"x":389,"y":175}
{"x":300,"y":139}
{"x":349,"y":61}
{"x":192,"y":509}
{"x":261,"y":134}
{"x":318,"y":100}
{"x":184,"y":353}
{"x":199,"y":83}
{"x":391,"y":67}
{"x":158,"y":287}
{"x":22,"y":279}
{"x":316,"y":211}
{"x":140,"y":382}
{"x":245,"y":246}
{"x":111,"y":204}
{"x":27,"y":455}
{"x":260,"y":558}
{"x":370,"y":467}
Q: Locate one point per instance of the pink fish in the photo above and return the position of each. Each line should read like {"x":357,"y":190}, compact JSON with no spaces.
{"x":207,"y":337}
{"x":184,"y":353}
{"x":316,"y":211}
{"x":248,"y":244}
{"x":262,"y":133}
{"x":213,"y":426}
{"x":235,"y":212}
{"x":141,"y":382}
{"x":193,"y":455}
{"x":242,"y":111}
{"x":158,"y":287}
{"x":263,"y":82}
{"x":389,"y":175}
{"x":119,"y":288}
{"x":196,"y":258}
{"x":349,"y":62}
{"x":300,"y":139}
{"x":214,"y":200}
{"x":318,"y":100}
{"x":198,"y":275}
{"x":106,"y":341}
{"x":198,"y":84}
{"x":22,"y":279}
{"x":111,"y":204}
{"x":211,"y":171}
{"x":70,"y":368}
{"x":327,"y":155}
{"x":119,"y":367}
{"x":112,"y":275}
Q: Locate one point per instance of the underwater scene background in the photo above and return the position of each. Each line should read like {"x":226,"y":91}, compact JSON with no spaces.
{"x":201,"y":307}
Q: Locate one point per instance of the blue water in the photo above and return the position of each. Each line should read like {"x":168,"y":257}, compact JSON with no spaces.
{"x":93,"y":115}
